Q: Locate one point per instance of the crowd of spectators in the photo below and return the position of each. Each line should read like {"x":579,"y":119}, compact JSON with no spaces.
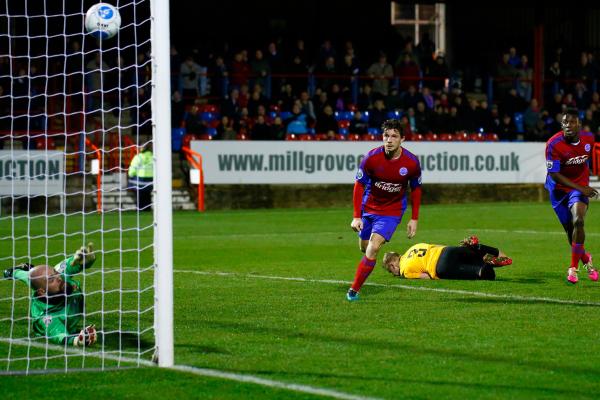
{"x":266,"y":93}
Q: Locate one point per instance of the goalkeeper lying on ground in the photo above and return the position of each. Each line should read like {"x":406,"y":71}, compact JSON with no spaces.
{"x":56,"y":298}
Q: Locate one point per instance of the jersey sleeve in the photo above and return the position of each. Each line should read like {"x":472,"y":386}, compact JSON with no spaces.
{"x":362,"y":176}
{"x":413,"y":275}
{"x":67,"y":267}
{"x":415,"y":181}
{"x":22,"y":276}
{"x":552,"y":159}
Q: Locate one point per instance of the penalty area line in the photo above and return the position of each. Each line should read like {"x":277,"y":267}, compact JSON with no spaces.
{"x":532,"y":299}
{"x":211,"y":373}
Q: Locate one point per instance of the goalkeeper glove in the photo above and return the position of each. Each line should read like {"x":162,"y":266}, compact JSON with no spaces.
{"x":470,"y":241}
{"x":8,"y":273}
{"x":86,"y":337}
{"x":85,"y":255}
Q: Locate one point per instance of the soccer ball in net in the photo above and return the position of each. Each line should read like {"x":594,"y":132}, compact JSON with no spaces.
{"x":102,"y":20}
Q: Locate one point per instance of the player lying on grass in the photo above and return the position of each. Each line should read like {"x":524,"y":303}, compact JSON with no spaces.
{"x":470,"y":260}
{"x":56,"y":298}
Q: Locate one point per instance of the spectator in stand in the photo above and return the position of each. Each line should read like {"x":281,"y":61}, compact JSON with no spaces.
{"x":177,"y":109}
{"x":427,"y":97}
{"x":408,"y":72}
{"x":424,"y":51}
{"x":407,"y":50}
{"x":453,"y":121}
{"x":393,"y":101}
{"x":411,"y":97}
{"x":259,"y":68}
{"x":277,"y":66}
{"x":508,"y":130}
{"x":494,"y":121}
{"x":584,"y":71}
{"x":471,"y":117}
{"x":244,"y":96}
{"x":412,"y":121}
{"x":325,"y":74}
{"x":240,"y":70}
{"x":326,"y":123}
{"x":321,"y":103}
{"x":256,"y":100}
{"x":226,"y":129}
{"x":531,"y":116}
{"x":505,"y":75}
{"x":422,"y":118}
{"x":190,"y":77}
{"x":193,"y":124}
{"x":513,"y":57}
{"x":231,"y":106}
{"x":326,"y":51}
{"x":569,"y":101}
{"x":444,"y":101}
{"x":554,"y":124}
{"x":307,"y":106}
{"x":378,"y":114}
{"x":339,"y":98}
{"x":297,"y":116}
{"x":556,"y":105}
{"x":438,"y":121}
{"x":555,"y":72}
{"x":299,"y":51}
{"x":538,"y":133}
{"x":440,"y":71}
{"x":260,"y":130}
{"x":358,"y":125}
{"x":513,"y":103}
{"x":582,"y":96}
{"x":286,"y":98}
{"x":219,"y":77}
{"x":277,"y":129}
{"x":381,"y":72}
{"x":595,"y":99}
{"x":175,"y":66}
{"x":365,"y":98}
{"x":484,"y":115}
{"x":590,"y":121}
{"x":299,"y":69}
{"x":405,"y":125}
{"x":525,"y":76}
{"x":349,"y":69}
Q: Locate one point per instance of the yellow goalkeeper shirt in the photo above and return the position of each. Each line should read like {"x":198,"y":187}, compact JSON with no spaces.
{"x":421,"y":257}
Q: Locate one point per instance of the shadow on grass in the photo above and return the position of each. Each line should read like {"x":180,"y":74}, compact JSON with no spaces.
{"x":194,"y":348}
{"x":409,"y":350}
{"x":123,"y":341}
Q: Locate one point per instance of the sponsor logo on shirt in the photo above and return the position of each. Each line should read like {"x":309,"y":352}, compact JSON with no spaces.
{"x":577,"y":160}
{"x":389,"y":187}
{"x":359,"y":174}
{"x":47,"y":320}
{"x":549,"y":164}
{"x":588,"y":147}
{"x":403,"y":171}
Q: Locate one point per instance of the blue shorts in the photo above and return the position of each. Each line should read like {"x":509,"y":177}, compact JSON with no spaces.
{"x":563,"y":201}
{"x":381,"y":224}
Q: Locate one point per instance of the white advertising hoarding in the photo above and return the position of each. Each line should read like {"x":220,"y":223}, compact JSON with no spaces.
{"x":291,"y":162}
{"x":34,"y":172}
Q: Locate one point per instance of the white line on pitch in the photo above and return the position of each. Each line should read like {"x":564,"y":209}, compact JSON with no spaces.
{"x":399,"y":286}
{"x":213,"y":373}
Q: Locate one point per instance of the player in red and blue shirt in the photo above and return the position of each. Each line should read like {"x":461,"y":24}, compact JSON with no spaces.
{"x":380,"y":198}
{"x":568,"y":179}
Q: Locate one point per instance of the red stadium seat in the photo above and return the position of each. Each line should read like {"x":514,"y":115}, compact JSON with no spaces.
{"x":432,"y":137}
{"x":352,"y":107}
{"x":242,"y":136}
{"x":446,"y":137}
{"x":476,"y":137}
{"x":344,"y":124}
{"x":370,"y":136}
{"x":461,"y":136}
{"x":321,"y":136}
{"x":492,"y":137}
{"x":205,"y":136}
{"x":291,"y":136}
{"x":339,"y":136}
{"x":305,"y":137}
{"x":274,"y":107}
{"x":417,"y":137}
{"x":354,"y":137}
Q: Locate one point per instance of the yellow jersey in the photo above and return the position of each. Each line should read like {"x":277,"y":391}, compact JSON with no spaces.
{"x":421,"y":257}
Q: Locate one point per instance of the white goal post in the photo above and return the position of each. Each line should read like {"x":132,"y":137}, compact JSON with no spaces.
{"x":75,"y":111}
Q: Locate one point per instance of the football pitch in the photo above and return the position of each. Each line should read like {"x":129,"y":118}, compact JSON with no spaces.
{"x":260,"y":301}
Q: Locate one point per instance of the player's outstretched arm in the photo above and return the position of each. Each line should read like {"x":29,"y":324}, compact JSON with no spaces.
{"x":85,"y":256}
{"x":19,"y":272}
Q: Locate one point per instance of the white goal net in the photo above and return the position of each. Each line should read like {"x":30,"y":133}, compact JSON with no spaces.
{"x":74,"y":112}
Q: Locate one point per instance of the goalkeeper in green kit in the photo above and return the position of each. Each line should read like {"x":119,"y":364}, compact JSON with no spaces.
{"x":56,"y":298}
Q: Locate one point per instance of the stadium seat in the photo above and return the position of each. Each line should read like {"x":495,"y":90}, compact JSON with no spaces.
{"x":285,"y":115}
{"x":211,"y":131}
{"x":491,"y":137}
{"x":177,"y":135}
{"x":311,"y":131}
{"x":211,"y":108}
{"x":352,"y":107}
{"x":370,"y":136}
{"x":205,"y":136}
{"x":305,"y":137}
{"x":321,"y":136}
{"x":344,"y":123}
{"x":353,"y":137}
{"x":476,"y":137}
{"x":519,"y":122}
{"x":272,"y":114}
{"x":242,"y":136}
{"x":394,"y":115}
{"x":432,"y":137}
{"x":343,"y":131}
{"x":274,"y":107}
{"x":446,"y":137}
{"x":582,"y":114}
{"x":365,"y":116}
{"x":339,"y":136}
{"x":291,"y":136}
{"x":461,"y":136}
{"x":374,"y":131}
{"x":417,"y":137}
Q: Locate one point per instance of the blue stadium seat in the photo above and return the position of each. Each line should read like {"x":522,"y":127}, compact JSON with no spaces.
{"x":394,"y":115}
{"x":582,"y":114}
{"x":211,"y":131}
{"x":338,"y":116}
{"x":311,"y":131}
{"x":374,"y":131}
{"x":519,"y":122}
{"x":177,"y":135}
{"x":285,"y":115}
{"x":365,"y":116}
{"x":343,"y":131}
{"x":208,"y":116}
{"x":347,"y":115}
{"x":272,"y":114}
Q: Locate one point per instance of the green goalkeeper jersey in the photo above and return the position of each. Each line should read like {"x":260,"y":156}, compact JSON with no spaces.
{"x":57,"y":322}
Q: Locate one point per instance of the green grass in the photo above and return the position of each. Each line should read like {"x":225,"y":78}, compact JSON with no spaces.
{"x":394,"y":343}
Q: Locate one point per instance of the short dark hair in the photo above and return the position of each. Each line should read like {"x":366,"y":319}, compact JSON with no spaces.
{"x":392,"y":124}
{"x":572,"y":111}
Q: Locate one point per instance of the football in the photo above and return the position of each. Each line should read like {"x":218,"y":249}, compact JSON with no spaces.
{"x":102,"y":21}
